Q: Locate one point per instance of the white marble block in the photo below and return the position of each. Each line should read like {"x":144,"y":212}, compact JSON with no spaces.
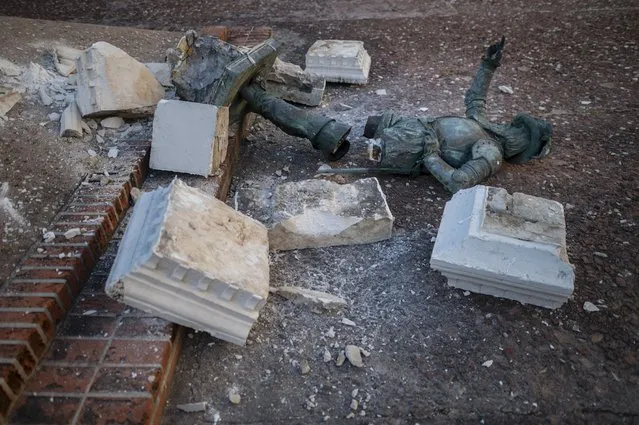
{"x":319,"y":213}
{"x":339,"y":61}
{"x":191,"y":259}
{"x":189,"y":137}
{"x":509,"y":246}
{"x":110,"y":82}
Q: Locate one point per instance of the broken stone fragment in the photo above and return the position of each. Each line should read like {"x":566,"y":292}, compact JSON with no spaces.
{"x":341,"y":357}
{"x":72,"y":233}
{"x":191,"y":259}
{"x":189,"y":137}
{"x":509,"y":246}
{"x":289,"y":82}
{"x":65,"y":59}
{"x":71,"y":121}
{"x":112,"y":122}
{"x":161,"y":71}
{"x":110,"y":82}
{"x":8,"y":99}
{"x":339,"y":61}
{"x":319,"y":213}
{"x":234,"y":396}
{"x":319,"y":299}
{"x":192,"y":407}
{"x":354,"y":355}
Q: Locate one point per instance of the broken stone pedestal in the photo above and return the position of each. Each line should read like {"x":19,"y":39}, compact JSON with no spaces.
{"x":191,"y":259}
{"x":289,"y":82}
{"x":319,"y":213}
{"x":189,"y":137}
{"x":339,"y":61}
{"x":110,"y":82}
{"x":510,"y":246}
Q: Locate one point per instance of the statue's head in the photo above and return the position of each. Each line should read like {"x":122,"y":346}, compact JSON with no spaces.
{"x":538,"y":141}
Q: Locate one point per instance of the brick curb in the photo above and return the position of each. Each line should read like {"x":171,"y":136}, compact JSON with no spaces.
{"x":41,"y":291}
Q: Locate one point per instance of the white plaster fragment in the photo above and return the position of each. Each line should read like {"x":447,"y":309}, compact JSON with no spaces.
{"x":339,"y":61}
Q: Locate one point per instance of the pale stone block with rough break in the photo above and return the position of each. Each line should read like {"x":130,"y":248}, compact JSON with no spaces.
{"x":110,"y":82}
{"x":509,"y":246}
{"x":189,"y":137}
{"x":191,"y":259}
{"x":319,"y":213}
{"x":287,"y":81}
{"x":339,"y":61}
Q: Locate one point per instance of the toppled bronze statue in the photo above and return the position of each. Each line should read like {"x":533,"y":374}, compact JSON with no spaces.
{"x":459,"y":152}
{"x":208,"y":70}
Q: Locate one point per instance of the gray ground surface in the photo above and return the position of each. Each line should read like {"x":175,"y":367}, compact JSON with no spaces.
{"x":574,"y":63}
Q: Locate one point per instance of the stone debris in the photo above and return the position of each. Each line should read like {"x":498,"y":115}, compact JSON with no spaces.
{"x":44,"y":97}
{"x":189,"y":137}
{"x":112,"y":122}
{"x":339,"y":61}
{"x":304,"y":296}
{"x":319,"y":213}
{"x":289,"y":82}
{"x":354,"y":355}
{"x":71,"y":122}
{"x":381,"y":92}
{"x":341,"y":358}
{"x":327,"y":355}
{"x":8,"y":99}
{"x":135,"y":194}
{"x":161,"y":71}
{"x":6,"y":206}
{"x":192,"y":407}
{"x":92,"y":153}
{"x":305,"y":368}
{"x":590,"y":307}
{"x":191,"y":259}
{"x":354,"y":404}
{"x":48,"y":237}
{"x":348,"y":322}
{"x":509,"y":246}
{"x":9,"y":68}
{"x":487,"y":363}
{"x":113,"y":153}
{"x":54,"y":117}
{"x":72,"y":233}
{"x":65,"y":58}
{"x":506,"y":89}
{"x":234,"y":396}
{"x":131,"y":91}
{"x":85,"y":127}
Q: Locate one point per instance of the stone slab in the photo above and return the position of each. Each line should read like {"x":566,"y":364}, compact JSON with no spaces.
{"x":509,"y":246}
{"x":320,"y":213}
{"x":191,"y":259}
{"x":110,"y":82}
{"x":189,"y":137}
{"x":339,"y":61}
{"x":289,"y":82}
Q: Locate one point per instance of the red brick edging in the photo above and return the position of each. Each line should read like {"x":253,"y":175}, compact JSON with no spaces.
{"x":81,"y":372}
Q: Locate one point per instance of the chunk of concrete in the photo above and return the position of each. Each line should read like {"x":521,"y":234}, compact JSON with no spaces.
{"x":289,"y":82}
{"x":189,"y":137}
{"x":302,"y":296}
{"x":112,"y":122}
{"x":110,"y":82}
{"x":509,"y":246}
{"x":319,"y":213}
{"x":71,"y":122}
{"x":65,"y":58}
{"x":339,"y":61}
{"x":191,"y":259}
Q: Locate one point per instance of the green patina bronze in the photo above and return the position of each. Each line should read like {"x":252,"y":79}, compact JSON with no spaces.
{"x":459,"y":152}
{"x":208,"y":70}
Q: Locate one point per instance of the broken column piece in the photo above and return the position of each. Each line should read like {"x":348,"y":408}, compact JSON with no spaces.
{"x":510,"y":246}
{"x":191,"y":259}
{"x":339,"y":61}
{"x":319,"y":213}
{"x":110,"y":82}
{"x":71,"y":121}
{"x":289,"y":82}
{"x":189,"y":137}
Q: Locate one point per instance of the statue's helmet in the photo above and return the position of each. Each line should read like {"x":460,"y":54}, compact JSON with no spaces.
{"x":539,"y":138}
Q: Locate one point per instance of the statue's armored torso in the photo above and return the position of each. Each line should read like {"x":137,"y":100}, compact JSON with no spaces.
{"x":456,"y":137}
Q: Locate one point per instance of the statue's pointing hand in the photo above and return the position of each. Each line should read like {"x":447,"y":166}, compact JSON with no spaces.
{"x":494,"y":53}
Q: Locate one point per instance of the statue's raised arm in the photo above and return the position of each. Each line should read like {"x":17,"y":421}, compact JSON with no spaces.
{"x":475,"y":99}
